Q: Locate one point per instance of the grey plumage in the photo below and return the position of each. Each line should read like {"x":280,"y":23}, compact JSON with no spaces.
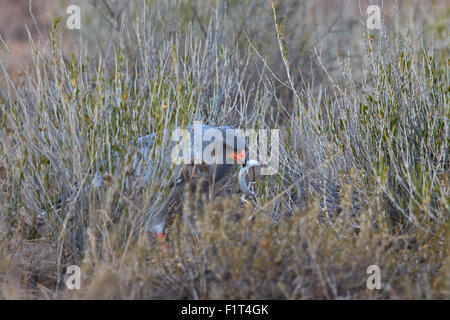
{"x":206,"y":177}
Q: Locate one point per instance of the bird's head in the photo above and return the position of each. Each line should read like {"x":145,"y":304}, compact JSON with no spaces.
{"x":234,"y":145}
{"x":221,"y":147}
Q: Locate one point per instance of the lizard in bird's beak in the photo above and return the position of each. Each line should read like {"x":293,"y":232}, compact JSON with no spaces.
{"x":240,"y":157}
{"x":241,"y":177}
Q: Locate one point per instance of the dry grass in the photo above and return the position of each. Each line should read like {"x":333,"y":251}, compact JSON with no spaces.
{"x":363,"y":175}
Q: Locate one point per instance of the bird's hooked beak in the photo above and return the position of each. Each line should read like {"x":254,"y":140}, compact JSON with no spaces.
{"x":241,"y":177}
{"x":239,"y":157}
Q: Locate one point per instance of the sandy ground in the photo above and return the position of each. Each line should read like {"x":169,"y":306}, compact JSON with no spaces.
{"x":15,"y":18}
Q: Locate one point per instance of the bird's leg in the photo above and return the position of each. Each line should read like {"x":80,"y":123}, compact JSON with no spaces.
{"x":163,"y":242}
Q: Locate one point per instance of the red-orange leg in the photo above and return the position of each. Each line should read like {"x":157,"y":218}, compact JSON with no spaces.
{"x":163,"y":241}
